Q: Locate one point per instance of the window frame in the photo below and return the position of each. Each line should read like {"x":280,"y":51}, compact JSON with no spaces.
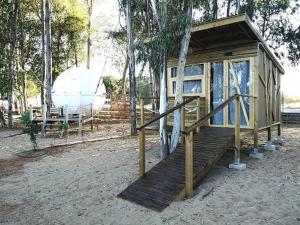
{"x":200,"y":77}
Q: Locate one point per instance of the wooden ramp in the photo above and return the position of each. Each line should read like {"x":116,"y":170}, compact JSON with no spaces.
{"x":165,"y":182}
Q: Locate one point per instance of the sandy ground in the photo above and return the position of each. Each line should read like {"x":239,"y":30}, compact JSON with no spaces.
{"x":9,"y":146}
{"x":79,"y":185}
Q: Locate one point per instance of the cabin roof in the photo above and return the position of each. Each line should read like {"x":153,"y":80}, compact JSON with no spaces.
{"x":231,"y":30}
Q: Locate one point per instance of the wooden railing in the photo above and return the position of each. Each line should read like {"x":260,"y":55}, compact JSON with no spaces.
{"x":188,"y":136}
{"x":144,"y":124}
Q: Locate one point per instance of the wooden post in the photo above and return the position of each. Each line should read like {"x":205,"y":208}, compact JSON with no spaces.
{"x":198,"y":113}
{"x":66,"y":112}
{"x":269,"y":133}
{"x":189,"y":164}
{"x":182,"y":123}
{"x":142,"y":111}
{"x":237,"y":131}
{"x":80,"y":121}
{"x":92,"y":117}
{"x":255,"y":123}
{"x":142,"y":151}
{"x":30,"y":112}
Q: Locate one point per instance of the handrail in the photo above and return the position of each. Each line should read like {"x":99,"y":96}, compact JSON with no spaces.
{"x":202,"y":120}
{"x":190,"y":99}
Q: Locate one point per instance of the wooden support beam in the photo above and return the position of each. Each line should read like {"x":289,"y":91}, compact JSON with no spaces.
{"x":269,"y":133}
{"x":142,"y":111}
{"x":237,"y":130}
{"x":279,"y":129}
{"x":255,"y":123}
{"x":198,"y":113}
{"x":142,"y":151}
{"x":66,"y":111}
{"x":189,"y":164}
{"x":80,"y":121}
{"x":92,"y":116}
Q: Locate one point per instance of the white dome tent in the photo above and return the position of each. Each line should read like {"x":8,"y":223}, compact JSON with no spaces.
{"x":79,"y":87}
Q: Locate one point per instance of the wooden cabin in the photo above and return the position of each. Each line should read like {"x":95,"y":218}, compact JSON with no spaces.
{"x":227,"y":57}
{"x":237,"y":77}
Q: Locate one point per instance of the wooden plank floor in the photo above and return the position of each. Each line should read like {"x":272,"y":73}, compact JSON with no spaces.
{"x":164,"y":183}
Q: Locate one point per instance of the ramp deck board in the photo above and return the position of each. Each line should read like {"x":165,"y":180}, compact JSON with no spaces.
{"x":165,"y":182}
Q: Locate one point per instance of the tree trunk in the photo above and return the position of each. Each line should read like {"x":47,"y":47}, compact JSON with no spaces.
{"x":48,"y":49}
{"x":163,"y":107}
{"x":76,"y":57}
{"x":13,"y":34}
{"x":215,"y":9}
{"x":179,"y":78}
{"x":124,"y":75}
{"x":162,"y":84}
{"x":43,"y":53}
{"x":237,"y":9}
{"x":132,"y":91}
{"x":228,"y":7}
{"x":90,"y":8}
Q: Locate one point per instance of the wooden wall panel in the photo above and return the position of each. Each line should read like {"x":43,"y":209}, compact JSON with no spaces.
{"x":212,"y":55}
{"x":262,"y":115}
{"x":191,"y":117}
{"x":269,"y":90}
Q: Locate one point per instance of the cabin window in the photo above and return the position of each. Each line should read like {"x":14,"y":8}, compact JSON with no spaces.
{"x":194,"y":70}
{"x":192,"y":86}
{"x":174,"y":72}
{"x":192,"y":81}
{"x":190,"y":70}
{"x":174,"y":86}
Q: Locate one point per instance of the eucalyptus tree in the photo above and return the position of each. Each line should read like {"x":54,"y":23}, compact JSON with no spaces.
{"x":131,"y":57}
{"x":184,"y":45}
{"x":90,"y":10}
{"x":273,"y":19}
{"x":13,"y":28}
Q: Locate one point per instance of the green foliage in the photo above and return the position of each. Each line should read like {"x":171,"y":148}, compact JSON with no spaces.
{"x":69,"y":29}
{"x":31,"y":128}
{"x":273,"y":20}
{"x":64,"y":128}
{"x":143,"y":87}
{"x":112,"y":84}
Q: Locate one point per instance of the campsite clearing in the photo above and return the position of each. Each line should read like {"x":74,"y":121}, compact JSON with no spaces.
{"x":78,"y":184}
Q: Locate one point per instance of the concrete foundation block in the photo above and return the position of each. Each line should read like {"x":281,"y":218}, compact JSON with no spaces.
{"x":237,"y":166}
{"x":269,"y":147}
{"x":278,"y":141}
{"x":255,"y":154}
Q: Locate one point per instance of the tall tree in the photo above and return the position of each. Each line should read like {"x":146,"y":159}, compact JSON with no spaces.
{"x":43,"y":52}
{"x":11,"y":64}
{"x":160,"y":19}
{"x":48,"y":61}
{"x":90,"y":10}
{"x":131,"y":57}
{"x":180,"y":73}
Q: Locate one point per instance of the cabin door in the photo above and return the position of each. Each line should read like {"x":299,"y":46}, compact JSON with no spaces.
{"x":239,"y":83}
{"x":217,"y":91}
{"x":228,"y":78}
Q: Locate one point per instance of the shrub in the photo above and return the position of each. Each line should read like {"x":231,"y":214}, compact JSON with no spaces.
{"x":32,"y":129}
